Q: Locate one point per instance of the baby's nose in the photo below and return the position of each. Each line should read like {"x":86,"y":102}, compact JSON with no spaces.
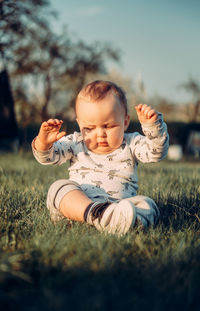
{"x":101,"y":132}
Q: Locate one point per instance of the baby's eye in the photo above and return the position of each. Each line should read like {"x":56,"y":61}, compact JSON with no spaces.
{"x":88,"y":128}
{"x":109,"y":126}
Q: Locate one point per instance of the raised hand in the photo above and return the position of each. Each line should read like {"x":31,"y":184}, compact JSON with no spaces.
{"x":49,"y":133}
{"x":146,"y":114}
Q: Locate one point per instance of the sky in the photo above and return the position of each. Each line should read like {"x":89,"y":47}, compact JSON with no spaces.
{"x":159,"y":40}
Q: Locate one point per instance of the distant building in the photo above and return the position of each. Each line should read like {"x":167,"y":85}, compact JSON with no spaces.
{"x":193,"y":144}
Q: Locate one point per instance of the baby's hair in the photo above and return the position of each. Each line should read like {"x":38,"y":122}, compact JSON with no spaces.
{"x":99,"y":89}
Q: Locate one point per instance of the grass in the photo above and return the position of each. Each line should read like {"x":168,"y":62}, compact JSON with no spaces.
{"x":72,"y":266}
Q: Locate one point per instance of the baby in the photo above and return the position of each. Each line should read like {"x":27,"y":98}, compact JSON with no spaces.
{"x":102,"y":185}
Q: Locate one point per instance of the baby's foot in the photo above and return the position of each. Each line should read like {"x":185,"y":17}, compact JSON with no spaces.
{"x":113,"y":218}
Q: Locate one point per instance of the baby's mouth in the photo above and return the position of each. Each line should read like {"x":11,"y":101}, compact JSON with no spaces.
{"x":103,"y":144}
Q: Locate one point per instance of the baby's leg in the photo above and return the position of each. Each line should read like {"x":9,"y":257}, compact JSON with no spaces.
{"x":65,"y":198}
{"x":147,"y":212}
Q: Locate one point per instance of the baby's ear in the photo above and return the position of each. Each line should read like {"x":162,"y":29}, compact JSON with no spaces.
{"x":126,"y":121}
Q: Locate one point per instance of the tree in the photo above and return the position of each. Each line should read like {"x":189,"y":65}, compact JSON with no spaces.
{"x":7,"y":117}
{"x":45,"y":68}
{"x":193,"y":110}
{"x":57,"y":66}
{"x":19,"y":21}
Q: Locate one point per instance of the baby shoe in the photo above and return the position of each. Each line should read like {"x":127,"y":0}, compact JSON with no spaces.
{"x":113,"y":218}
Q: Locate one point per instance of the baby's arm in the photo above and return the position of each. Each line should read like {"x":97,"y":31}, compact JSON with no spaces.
{"x":48,"y":148}
{"x":154,"y":145}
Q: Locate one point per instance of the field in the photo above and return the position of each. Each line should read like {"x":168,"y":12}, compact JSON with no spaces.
{"x":72,"y":266}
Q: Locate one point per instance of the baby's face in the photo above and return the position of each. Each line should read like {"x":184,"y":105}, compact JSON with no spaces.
{"x":102,"y":124}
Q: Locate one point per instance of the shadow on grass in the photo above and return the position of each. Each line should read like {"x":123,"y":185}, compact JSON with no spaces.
{"x":122,"y":287}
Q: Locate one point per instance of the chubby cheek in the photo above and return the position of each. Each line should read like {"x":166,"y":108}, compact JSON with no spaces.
{"x":115,"y":138}
{"x":115,"y":142}
{"x":89,"y":139}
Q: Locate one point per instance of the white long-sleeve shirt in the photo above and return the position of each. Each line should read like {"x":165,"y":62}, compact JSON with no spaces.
{"x":114,"y":175}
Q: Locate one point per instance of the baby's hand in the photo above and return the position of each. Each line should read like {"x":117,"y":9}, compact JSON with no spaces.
{"x":146,"y":114}
{"x":49,"y":133}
